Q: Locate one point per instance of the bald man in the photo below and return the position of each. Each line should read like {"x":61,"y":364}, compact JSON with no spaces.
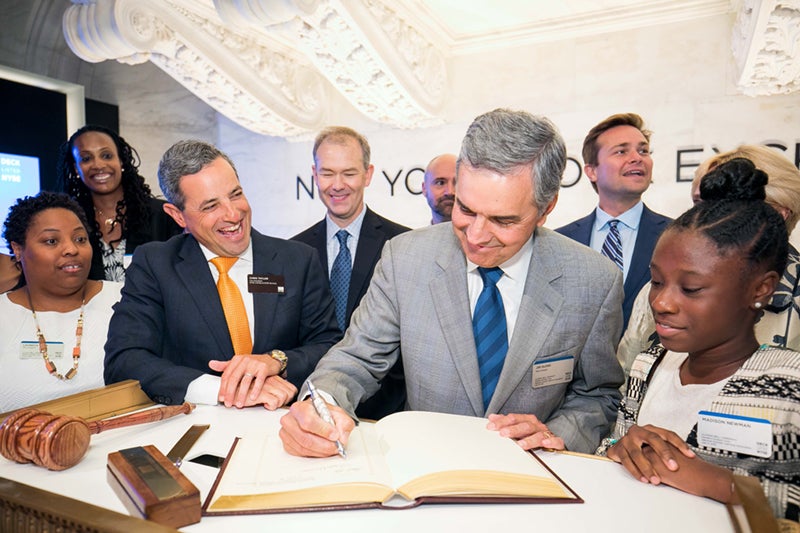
{"x":439,"y":187}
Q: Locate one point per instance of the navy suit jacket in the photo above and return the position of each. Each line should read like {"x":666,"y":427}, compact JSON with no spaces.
{"x":169,"y":322}
{"x":650,"y":227}
{"x":375,"y":231}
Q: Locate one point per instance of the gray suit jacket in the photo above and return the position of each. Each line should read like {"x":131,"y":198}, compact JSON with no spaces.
{"x":418,"y":305}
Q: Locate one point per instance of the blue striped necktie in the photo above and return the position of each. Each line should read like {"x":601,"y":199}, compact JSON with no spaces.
{"x":612,"y":246}
{"x":491,"y":333}
{"x":340,"y":278}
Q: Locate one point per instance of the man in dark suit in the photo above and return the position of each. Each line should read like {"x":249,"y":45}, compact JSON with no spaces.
{"x":341,"y":172}
{"x":616,"y":154}
{"x":221,"y":312}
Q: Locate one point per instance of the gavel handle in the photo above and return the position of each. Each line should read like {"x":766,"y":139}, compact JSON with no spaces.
{"x":142,"y":417}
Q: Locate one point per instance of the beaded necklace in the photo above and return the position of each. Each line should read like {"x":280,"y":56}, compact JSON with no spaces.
{"x":76,"y":351}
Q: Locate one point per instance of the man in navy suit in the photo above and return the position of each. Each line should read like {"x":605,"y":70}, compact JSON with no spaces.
{"x":616,"y":155}
{"x":170,"y":330}
{"x":342,"y":171}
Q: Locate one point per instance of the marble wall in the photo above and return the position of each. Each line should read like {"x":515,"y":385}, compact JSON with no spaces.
{"x":679,"y":77}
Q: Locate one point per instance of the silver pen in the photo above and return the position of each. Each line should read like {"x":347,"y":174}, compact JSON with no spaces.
{"x":322,"y":411}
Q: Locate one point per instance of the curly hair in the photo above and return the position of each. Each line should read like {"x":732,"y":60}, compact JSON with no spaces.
{"x":23,"y":212}
{"x":735,"y":217}
{"x":133,"y":211}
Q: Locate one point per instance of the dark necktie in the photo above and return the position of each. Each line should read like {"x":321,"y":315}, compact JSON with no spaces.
{"x":340,"y":278}
{"x":612,"y":246}
{"x":491,"y":333}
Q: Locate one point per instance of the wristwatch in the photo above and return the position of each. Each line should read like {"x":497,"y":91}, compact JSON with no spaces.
{"x":280,"y":357}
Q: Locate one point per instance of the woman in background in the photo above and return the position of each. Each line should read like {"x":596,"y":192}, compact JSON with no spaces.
{"x":780,"y":322}
{"x":100,"y":170}
{"x":714,"y":270}
{"x":54,"y":327}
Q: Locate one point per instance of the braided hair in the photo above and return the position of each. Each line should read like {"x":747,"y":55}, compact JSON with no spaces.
{"x":734,"y":216}
{"x":133,"y":211}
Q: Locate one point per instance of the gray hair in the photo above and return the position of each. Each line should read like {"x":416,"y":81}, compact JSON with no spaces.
{"x":503,"y":140}
{"x":182,"y":159}
{"x":339,"y":135}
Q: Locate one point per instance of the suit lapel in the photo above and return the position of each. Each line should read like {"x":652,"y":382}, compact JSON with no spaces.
{"x":193,"y":270}
{"x":370,"y":244}
{"x":319,"y":242}
{"x":583,"y":229}
{"x":265,"y":261}
{"x":538,"y":310}
{"x":451,"y":304}
{"x":647,"y":235}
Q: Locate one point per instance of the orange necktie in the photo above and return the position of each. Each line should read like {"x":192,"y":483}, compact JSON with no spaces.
{"x":233,"y":306}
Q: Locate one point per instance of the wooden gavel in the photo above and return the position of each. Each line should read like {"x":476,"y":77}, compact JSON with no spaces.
{"x":58,"y":442}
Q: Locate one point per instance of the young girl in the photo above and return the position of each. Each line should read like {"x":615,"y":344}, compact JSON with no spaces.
{"x":713,"y":271}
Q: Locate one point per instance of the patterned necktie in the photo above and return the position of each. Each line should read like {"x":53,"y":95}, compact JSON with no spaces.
{"x":612,"y":246}
{"x":233,"y":307}
{"x":491,"y":333}
{"x":340,"y":278}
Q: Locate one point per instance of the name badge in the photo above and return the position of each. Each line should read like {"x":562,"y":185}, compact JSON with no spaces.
{"x":740,"y":434}
{"x":271,"y":283}
{"x":30,"y":350}
{"x":553,"y":371}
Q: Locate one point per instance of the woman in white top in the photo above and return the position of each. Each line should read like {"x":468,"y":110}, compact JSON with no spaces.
{"x":54,"y":326}
{"x":710,"y":401}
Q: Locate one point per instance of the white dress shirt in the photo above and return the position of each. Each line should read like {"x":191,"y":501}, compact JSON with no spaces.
{"x":205,"y":389}
{"x":511,"y":285}
{"x":628,"y":230}
{"x":332,"y":242}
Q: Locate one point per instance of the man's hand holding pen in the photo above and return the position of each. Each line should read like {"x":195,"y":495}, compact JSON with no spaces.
{"x":306,"y":434}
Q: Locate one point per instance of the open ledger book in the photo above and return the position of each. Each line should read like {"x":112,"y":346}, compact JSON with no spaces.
{"x":401,"y":461}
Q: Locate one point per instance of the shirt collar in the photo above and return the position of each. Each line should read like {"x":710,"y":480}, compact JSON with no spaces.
{"x":630,"y":218}
{"x":354,"y":228}
{"x":246,"y":256}
{"x":517,"y":266}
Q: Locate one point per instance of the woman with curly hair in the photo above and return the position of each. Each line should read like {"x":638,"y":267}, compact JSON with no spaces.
{"x":99,"y":169}
{"x":55,"y":324}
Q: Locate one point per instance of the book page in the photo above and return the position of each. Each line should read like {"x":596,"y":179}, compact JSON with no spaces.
{"x":418,"y":443}
{"x":260,"y":465}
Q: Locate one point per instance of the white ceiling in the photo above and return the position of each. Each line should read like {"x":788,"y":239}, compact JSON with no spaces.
{"x":271,"y":65}
{"x":467,"y":26}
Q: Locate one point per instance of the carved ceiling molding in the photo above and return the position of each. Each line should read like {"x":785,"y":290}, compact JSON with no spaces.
{"x":274,"y":66}
{"x":369,"y":51}
{"x":262,"y":86}
{"x":766,"y":46}
{"x":269,"y":65}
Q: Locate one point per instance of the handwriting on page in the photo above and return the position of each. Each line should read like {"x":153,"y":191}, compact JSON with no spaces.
{"x":250,"y":472}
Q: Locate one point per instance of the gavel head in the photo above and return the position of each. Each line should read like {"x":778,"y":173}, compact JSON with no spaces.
{"x":56,"y":442}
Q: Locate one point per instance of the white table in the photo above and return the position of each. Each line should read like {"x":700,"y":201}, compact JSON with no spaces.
{"x":614,"y":501}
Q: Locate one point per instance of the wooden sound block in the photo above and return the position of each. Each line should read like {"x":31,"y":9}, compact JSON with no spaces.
{"x":152,"y":487}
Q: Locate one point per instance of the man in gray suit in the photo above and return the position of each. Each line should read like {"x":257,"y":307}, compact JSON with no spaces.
{"x":556,"y":318}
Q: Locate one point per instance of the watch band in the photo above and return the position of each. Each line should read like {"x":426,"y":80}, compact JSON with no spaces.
{"x":279,"y":356}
